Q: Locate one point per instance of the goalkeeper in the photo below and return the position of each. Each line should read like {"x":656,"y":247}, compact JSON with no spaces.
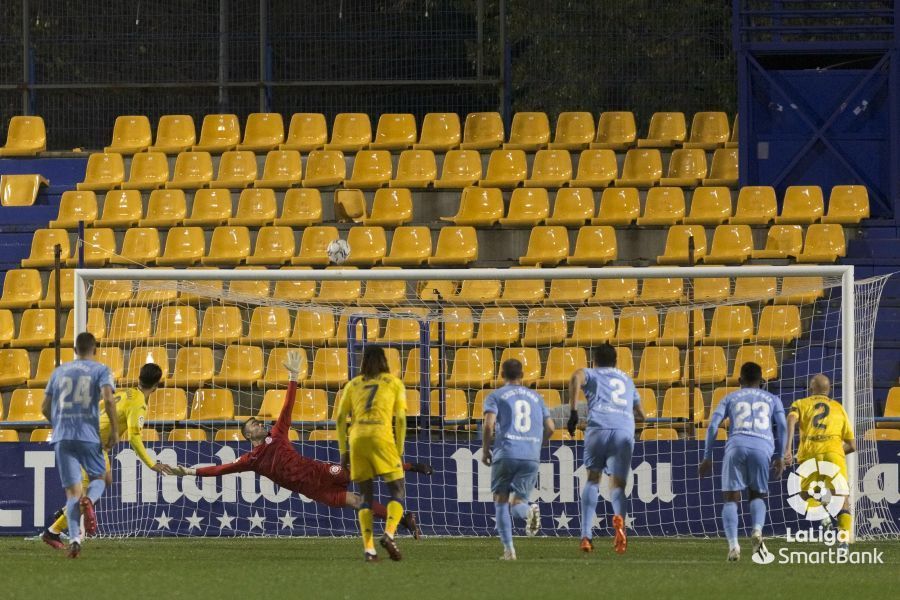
{"x":273,"y":456}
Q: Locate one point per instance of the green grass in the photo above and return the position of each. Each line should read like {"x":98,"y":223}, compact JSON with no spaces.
{"x":548,"y":568}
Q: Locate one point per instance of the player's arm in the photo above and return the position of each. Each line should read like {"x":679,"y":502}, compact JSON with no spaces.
{"x":638,"y":408}
{"x":109,"y":403}
{"x":283,"y":424}
{"x":780,"y":441}
{"x":240,"y":465}
{"x":487,"y":428}
{"x":46,"y":405}
{"x":548,"y":423}
{"x":793,"y":418}
{"x":400,"y":418}
{"x":715,"y":419}
{"x":847,"y":437}
{"x":343,"y":412}
{"x":135,"y":422}
{"x":575,"y":384}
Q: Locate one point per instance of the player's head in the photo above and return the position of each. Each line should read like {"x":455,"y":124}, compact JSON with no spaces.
{"x":149,"y":377}
{"x":511,"y":370}
{"x":374,"y":362}
{"x":604,"y":356}
{"x":820,"y":384}
{"x":85,"y":345}
{"x":751,"y":375}
{"x":254,"y":430}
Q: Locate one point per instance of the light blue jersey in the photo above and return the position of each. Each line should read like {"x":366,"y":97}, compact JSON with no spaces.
{"x":75,"y":391}
{"x":520,"y":422}
{"x":757,"y":421}
{"x":611,"y":398}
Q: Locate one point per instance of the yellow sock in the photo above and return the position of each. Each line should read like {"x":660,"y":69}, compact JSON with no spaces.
{"x":394,"y":514}
{"x":845,"y":521}
{"x":365,"y":524}
{"x":61,"y":524}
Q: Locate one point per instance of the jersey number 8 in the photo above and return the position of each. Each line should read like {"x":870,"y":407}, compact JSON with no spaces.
{"x":522,"y":421}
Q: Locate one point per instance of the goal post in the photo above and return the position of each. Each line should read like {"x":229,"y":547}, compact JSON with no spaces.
{"x":821,"y":300}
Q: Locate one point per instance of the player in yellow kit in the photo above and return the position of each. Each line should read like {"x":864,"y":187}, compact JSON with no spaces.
{"x":131,"y":408}
{"x":826,"y":434}
{"x":375,"y":402}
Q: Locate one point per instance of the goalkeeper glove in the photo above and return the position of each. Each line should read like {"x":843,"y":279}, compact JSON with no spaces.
{"x":573,"y":422}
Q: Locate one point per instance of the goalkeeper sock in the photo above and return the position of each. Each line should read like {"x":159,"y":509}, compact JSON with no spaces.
{"x":519,"y":511}
{"x":60,"y":524}
{"x":730,"y":523}
{"x":74,"y":514}
{"x":365,"y":525}
{"x":504,"y":523}
{"x":590,"y":493}
{"x":379,"y":510}
{"x":758,"y":513}
{"x":95,"y":489}
{"x":394,"y":514}
{"x":845,"y":521}
{"x":617,"y":497}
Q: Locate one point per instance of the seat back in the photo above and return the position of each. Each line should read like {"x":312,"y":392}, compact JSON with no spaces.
{"x":220,"y":132}
{"x":642,"y":163}
{"x":149,"y":169}
{"x":351,"y":130}
{"x":263,"y":131}
{"x":483,"y":130}
{"x":175,"y":133}
{"x":574,"y":129}
{"x":307,"y":131}
{"x":710,"y":128}
{"x":667,"y":127}
{"x":26,"y":135}
{"x":440,"y":131}
{"x":530,"y":129}
{"x":395,"y":131}
{"x":616,"y":128}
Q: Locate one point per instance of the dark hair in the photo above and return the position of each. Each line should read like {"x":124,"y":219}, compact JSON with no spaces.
{"x":604,"y":356}
{"x":85,"y":343}
{"x":374,"y":362}
{"x":511,"y":369}
{"x":751,"y":373}
{"x":149,"y":376}
{"x":244,"y":427}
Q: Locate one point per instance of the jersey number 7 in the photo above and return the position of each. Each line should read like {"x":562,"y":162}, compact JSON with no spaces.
{"x":373,"y":389}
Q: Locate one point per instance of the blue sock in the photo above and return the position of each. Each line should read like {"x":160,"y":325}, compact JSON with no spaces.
{"x":730,"y":522}
{"x":95,"y":489}
{"x":590,"y":493}
{"x":73,"y":514}
{"x":758,"y":512}
{"x":519,"y":511}
{"x":617,"y":497}
{"x":504,"y":523}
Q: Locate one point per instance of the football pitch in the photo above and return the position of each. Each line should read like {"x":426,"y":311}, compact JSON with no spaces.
{"x":547,"y":568}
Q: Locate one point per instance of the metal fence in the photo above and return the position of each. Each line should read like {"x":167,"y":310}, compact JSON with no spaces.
{"x":79,"y":64}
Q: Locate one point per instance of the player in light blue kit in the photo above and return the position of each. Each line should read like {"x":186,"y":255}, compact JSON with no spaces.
{"x":751,"y":446}
{"x":516,"y":424}
{"x":613,"y":403}
{"x":71,"y":404}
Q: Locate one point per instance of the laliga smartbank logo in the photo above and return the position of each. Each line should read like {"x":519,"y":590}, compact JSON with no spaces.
{"x":825,"y":491}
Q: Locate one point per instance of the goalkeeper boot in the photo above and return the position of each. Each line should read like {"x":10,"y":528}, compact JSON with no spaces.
{"x":409,"y":522}
{"x":533,"y":521}
{"x":421,"y":468}
{"x":52,"y":539}
{"x":90,"y":516}
{"x":621,"y":542}
{"x":389,"y":544}
{"x":587,"y":545}
{"x":74,"y":550}
{"x":734,"y":554}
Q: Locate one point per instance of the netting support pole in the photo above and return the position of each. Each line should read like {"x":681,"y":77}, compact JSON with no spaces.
{"x":57,"y":304}
{"x":848,"y":356}
{"x":79,"y":299}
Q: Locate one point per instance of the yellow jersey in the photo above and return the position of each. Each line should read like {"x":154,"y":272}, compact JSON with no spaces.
{"x":131,"y":409}
{"x":821,"y":420}
{"x":377,"y":409}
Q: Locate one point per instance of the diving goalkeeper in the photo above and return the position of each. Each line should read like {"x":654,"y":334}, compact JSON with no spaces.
{"x":273,"y":456}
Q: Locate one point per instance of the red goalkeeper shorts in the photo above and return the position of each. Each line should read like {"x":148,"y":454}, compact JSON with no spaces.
{"x":328,"y":485}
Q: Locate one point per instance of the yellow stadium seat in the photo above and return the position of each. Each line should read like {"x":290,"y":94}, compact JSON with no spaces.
{"x":371,"y":169}
{"x":128,"y":325}
{"x":210,"y":208}
{"x":477,"y":291}
{"x":350,"y":132}
{"x":528,"y":131}
{"x":268,"y":325}
{"x":724,"y":168}
{"x":15,"y":367}
{"x":531,"y":365}
{"x":306,"y":132}
{"x":255,"y":208}
{"x":325,"y":168}
{"x":206,"y":290}
{"x":823,"y":244}
{"x":241,"y":366}
{"x":522,"y":291}
{"x":192,"y":170}
{"x":478,"y":207}
{"x":313,"y":326}
{"x":228,"y":435}
{"x":212,"y":405}
{"x":276,"y":375}
{"x":800,"y":290}
{"x":394,"y":132}
{"x":574,"y":131}
{"x":676,"y":405}
{"x":26,"y":136}
{"x":709,"y":206}
{"x":300,"y":208}
{"x":237,"y":169}
{"x":733,"y":140}
{"x":667,"y":129}
{"x":184,"y":246}
{"x":527,"y":207}
{"x":676,"y":251}
{"x":25,"y":405}
{"x":506,"y":169}
{"x":663,"y":206}
{"x":660,"y":366}
{"x":561,"y":363}
{"x":637,"y":325}
{"x":140,"y":246}
{"x":310,"y":406}
{"x":718,"y":394}
{"x":390,"y":208}
{"x":615,"y":291}
{"x":99,"y":247}
{"x":594,"y":246}
{"x":455,"y":406}
{"x":436,"y":290}
{"x":891,"y":407}
{"x":847,"y":205}
{"x":218,"y":133}
{"x":74,"y":207}
{"x":483,"y":131}
{"x":642,"y":169}
{"x":754,"y":288}
{"x":20,"y":190}
{"x":175,"y":324}
{"x":7,"y":327}
{"x":174,"y":134}
{"x":569,"y":291}
{"x":779,"y":324}
{"x":663,"y":290}
{"x":709,"y":130}
{"x":572,"y":207}
{"x":412,"y":374}
{"x":764,"y":356}
{"x":415,"y":169}
{"x":104,"y":172}
{"x":121,"y":209}
{"x":9,"y":435}
{"x":456,"y":246}
{"x":497,"y":327}
{"x":22,"y":288}
{"x":141,"y":356}
{"x":472,"y":367}
{"x":405,"y":327}
{"x":619,"y":207}
{"x":648,"y":402}
{"x":547,"y":246}
{"x":730,"y":325}
{"x":731,"y":245}
{"x":96,"y":324}
{"x":262,"y":132}
{"x":410,"y":246}
{"x":149,"y":171}
{"x":803,"y":205}
{"x":274,"y":246}
{"x":781,"y":241}
{"x":545,"y":326}
{"x":461,"y":168}
{"x":711,"y":289}
{"x":228,"y":246}
{"x":112,"y":358}
{"x":282,"y":169}
{"x":187,"y":434}
{"x":193,"y":367}
{"x":440,"y":132}
{"x":883,"y":435}
{"x":295,"y":291}
{"x":329,"y":368}
{"x":221,"y":325}
{"x":596,"y":169}
{"x":41,"y":435}
{"x":591,"y":326}
{"x":368,"y":245}
{"x":709,"y":365}
{"x":313,"y":245}
{"x":384,"y":292}
{"x":551,"y":169}
{"x":42,"y":248}
{"x":110,"y":293}
{"x":37,"y":326}
{"x":676,"y":330}
{"x":349,"y":205}
{"x":687,"y":168}
{"x":616,"y":130}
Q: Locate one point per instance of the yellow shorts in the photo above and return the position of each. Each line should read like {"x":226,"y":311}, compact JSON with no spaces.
{"x":374,"y":457}
{"x":85,"y":480}
{"x":828,"y":452}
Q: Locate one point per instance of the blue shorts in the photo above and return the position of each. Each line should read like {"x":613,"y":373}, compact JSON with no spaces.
{"x":744,"y":467}
{"x":608,"y":450}
{"x":72,"y":455}
{"x":514,"y":475}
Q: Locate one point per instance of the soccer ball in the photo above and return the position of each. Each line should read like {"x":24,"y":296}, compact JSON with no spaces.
{"x":338,"y":251}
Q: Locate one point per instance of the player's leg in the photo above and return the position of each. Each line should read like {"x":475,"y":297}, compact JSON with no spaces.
{"x":96,"y":465}
{"x":522,"y":484}
{"x":366,"y":520}
{"x":618,"y":465}
{"x":844,"y":518}
{"x":70,"y":476}
{"x":594,"y":461}
{"x":733,"y":482}
{"x":397,"y":489}
{"x":501,"y":479}
{"x":758,"y":464}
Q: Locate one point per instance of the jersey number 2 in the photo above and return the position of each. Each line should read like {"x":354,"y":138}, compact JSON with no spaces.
{"x":822,"y":411}
{"x":82,"y":393}
{"x":747,"y":416}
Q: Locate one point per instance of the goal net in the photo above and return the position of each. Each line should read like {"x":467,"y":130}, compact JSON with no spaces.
{"x":221,"y":336}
